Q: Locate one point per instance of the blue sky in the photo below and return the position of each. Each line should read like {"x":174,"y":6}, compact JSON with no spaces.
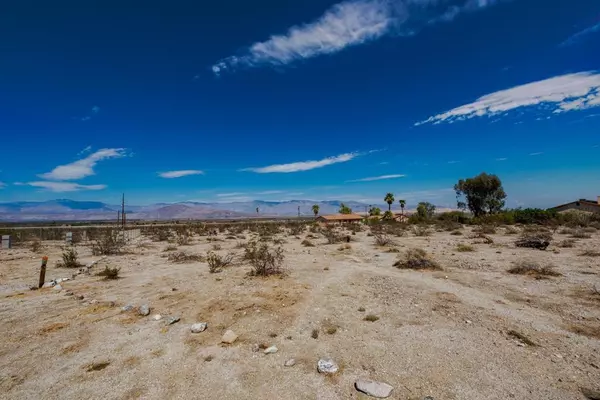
{"x":276,"y":100}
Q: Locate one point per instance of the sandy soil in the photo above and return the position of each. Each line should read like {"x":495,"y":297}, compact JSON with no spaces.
{"x":443,"y":334}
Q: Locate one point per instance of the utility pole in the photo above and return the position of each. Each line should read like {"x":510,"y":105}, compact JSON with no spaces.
{"x":123,"y":212}
{"x":298,"y":211}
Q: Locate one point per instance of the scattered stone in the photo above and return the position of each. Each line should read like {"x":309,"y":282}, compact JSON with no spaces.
{"x":144,"y":310}
{"x":127,"y":307}
{"x":199,"y":327}
{"x":79,"y":297}
{"x":93,"y":301}
{"x":58,"y":287}
{"x":468,"y":321}
{"x":172,"y":320}
{"x":379,"y":390}
{"x":229,"y":337}
{"x":428,"y":398}
{"x":327,"y":366}
{"x":157,"y":317}
{"x":49,"y":284}
{"x":271,"y":350}
{"x":69,"y":293}
{"x":290,"y":363}
{"x":255,"y":348}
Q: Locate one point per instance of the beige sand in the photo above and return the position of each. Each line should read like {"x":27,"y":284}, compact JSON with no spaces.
{"x":442,"y":334}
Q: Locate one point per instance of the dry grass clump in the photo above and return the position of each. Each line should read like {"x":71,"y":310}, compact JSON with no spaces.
{"x":463,"y":248}
{"x":511,"y":230}
{"x":539,"y":239}
{"x":36,"y":246}
{"x":170,"y":247}
{"x":109,"y":273}
{"x":456,"y":233}
{"x":183,"y":257}
{"x":421,"y":230}
{"x":371,"y":318}
{"x":109,"y":242}
{"x":314,"y":334}
{"x":307,"y":243}
{"x":332,"y":235}
{"x":590,"y":253}
{"x":521,"y":337}
{"x":264,"y":261}
{"x":183,"y":240}
{"x":567,"y":243}
{"x":417,"y":259}
{"x":382,"y":239}
{"x":69,"y":259}
{"x":580,"y":234}
{"x":485,"y":229}
{"x":530,"y":267}
{"x":345,"y":246}
{"x":216,"y":262}
{"x":484,"y":238}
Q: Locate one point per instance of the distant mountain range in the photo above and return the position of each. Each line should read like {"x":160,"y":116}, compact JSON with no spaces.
{"x":70,"y":210}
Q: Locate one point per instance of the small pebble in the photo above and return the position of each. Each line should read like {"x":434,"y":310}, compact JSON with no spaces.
{"x":271,"y":350}
{"x":157,"y":317}
{"x":327,"y":366}
{"x":229,"y":337}
{"x":199,"y":327}
{"x":128,"y":307}
{"x":144,"y":310}
{"x":290,"y":363}
{"x":172,"y":320}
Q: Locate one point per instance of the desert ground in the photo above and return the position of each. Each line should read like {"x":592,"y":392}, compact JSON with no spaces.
{"x":468,"y":331}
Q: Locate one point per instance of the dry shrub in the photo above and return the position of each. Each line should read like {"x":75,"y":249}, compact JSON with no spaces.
{"x":421,"y":230}
{"x":485,"y":229}
{"x":332,"y":235}
{"x":580,"y":234}
{"x":183,"y":240}
{"x":511,"y":230}
{"x":216,"y":263}
{"x":297,"y":229}
{"x":371,"y":318}
{"x":456,"y":233}
{"x":463,"y":248}
{"x":589,"y":229}
{"x":264,"y":261}
{"x":392,"y":250}
{"x":539,"y":239}
{"x":183,"y":257}
{"x":530,"y":267}
{"x":109,"y":242}
{"x":160,"y":233}
{"x":484,"y":238}
{"x":382,"y":239}
{"x":307,"y":243}
{"x":69,"y":259}
{"x":216,"y":247}
{"x":345,"y":246}
{"x":36,"y":246}
{"x":417,"y":259}
{"x":109,"y":273}
{"x":566,"y":231}
{"x":566,"y":243}
{"x":590,"y":253}
{"x":170,"y":247}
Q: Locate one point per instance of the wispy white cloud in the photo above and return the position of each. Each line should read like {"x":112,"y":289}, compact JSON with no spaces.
{"x":453,"y":162}
{"x":581,"y":34}
{"x":87,"y":149}
{"x":537,"y":153}
{"x":564,"y":93}
{"x":234,"y":194}
{"x":65,"y":186}
{"x":346,"y":24}
{"x":2,"y":185}
{"x":303,"y":165}
{"x":93,"y":112}
{"x":501,"y":159}
{"x":378,"y":178}
{"x":84,"y":167}
{"x":268,"y":192}
{"x":179,"y":174}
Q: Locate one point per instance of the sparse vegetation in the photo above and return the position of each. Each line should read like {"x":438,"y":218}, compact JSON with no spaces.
{"x":345,"y":246}
{"x":331,"y":330}
{"x":314,"y":334}
{"x":361,"y":309}
{"x":580,"y":234}
{"x":456,"y":233}
{"x":463,"y":248}
{"x":485,"y":229}
{"x":371,"y":318}
{"x":109,"y":273}
{"x":533,"y":268}
{"x":332,"y":235}
{"x":521,"y":337}
{"x":307,"y":243}
{"x":417,"y":259}
{"x":421,"y":230}
{"x":264,"y":261}
{"x":483,"y":194}
{"x":567,"y":243}
{"x":590,"y":253}
{"x":510,"y":230}
{"x":216,"y":262}
{"x":36,"y":246}
{"x":170,"y":247}
{"x":539,"y":239}
{"x":382,"y":239}
{"x":69,"y":259}
{"x":109,"y":242}
{"x":183,"y":257}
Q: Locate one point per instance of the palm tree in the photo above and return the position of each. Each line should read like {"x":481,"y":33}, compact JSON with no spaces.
{"x":315,"y":209}
{"x":402,"y":204}
{"x":389,"y":198}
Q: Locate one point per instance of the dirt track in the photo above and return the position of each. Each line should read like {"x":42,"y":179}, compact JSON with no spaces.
{"x":440,"y":333}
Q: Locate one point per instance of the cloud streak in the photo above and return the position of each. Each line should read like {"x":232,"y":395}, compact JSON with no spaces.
{"x":578,"y":91}
{"x":347,"y":24}
{"x":180,"y":174}
{"x":64,"y":186}
{"x":581,"y":35}
{"x":303,"y":165}
{"x":378,"y":178}
{"x":84,"y":167}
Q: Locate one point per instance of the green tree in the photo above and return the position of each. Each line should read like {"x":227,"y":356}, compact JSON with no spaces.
{"x":402,"y":205}
{"x":425,"y":210}
{"x":389,"y":198}
{"x":315,"y":209}
{"x":388,"y":215}
{"x":483,"y":193}
{"x":375,"y":211}
{"x":344,"y":209}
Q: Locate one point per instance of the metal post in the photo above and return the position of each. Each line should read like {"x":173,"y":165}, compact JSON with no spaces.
{"x":43,"y":271}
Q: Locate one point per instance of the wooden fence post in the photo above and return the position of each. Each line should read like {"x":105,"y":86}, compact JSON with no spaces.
{"x":43,"y":271}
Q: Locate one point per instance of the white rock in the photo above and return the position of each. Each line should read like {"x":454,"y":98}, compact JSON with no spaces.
{"x":127,"y":307}
{"x":57,"y":287}
{"x":290,"y":363}
{"x":327,"y":366}
{"x":229,"y":337}
{"x":379,"y":390}
{"x":172,"y":320}
{"x":199,"y":327}
{"x":157,"y":317}
{"x":271,"y":350}
{"x":144,"y":310}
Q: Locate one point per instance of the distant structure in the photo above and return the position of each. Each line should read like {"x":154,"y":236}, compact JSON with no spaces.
{"x":580,"y":205}
{"x":338,"y":218}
